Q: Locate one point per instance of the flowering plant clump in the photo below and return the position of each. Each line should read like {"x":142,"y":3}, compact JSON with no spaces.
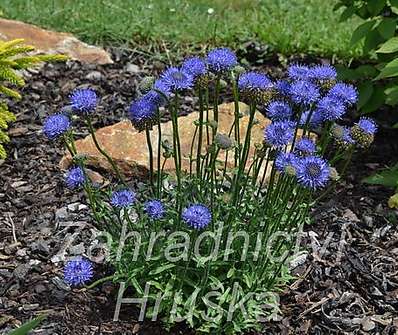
{"x":211,"y":244}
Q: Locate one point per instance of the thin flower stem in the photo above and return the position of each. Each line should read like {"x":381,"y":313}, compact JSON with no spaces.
{"x":150,"y":152}
{"x":200,"y":139}
{"x":159,"y":172}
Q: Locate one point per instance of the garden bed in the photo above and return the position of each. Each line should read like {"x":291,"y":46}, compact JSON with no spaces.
{"x":357,"y":292}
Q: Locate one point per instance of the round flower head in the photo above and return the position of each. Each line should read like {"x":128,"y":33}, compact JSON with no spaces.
{"x":304,"y":92}
{"x":83,"y":100}
{"x":279,"y":133}
{"x":154,"y":209}
{"x":161,"y":86}
{"x":323,"y":73}
{"x":223,"y":141}
{"x":313,"y":172}
{"x":283,"y":87}
{"x":330,"y":108}
{"x":195,"y":66}
{"x":75,"y":177}
{"x":299,"y":72}
{"x":55,"y":125}
{"x":313,"y":119}
{"x":176,"y":79}
{"x":123,"y":198}
{"x":367,"y":125}
{"x":146,"y":84}
{"x":279,"y":110}
{"x":305,"y":146}
{"x":197,"y":216}
{"x":284,"y":159}
{"x":256,"y":86}
{"x":78,"y":271}
{"x":143,"y":113}
{"x":342,"y":136}
{"x":155,"y":97}
{"x":221,"y":59}
{"x":363,"y":132}
{"x":346,"y":93}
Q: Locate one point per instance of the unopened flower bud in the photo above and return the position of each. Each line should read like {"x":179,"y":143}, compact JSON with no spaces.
{"x":361,"y":137}
{"x":146,"y":84}
{"x":393,"y":201}
{"x":223,"y":83}
{"x":239,"y":69}
{"x":334,"y":175}
{"x":223,"y":141}
{"x":290,"y":170}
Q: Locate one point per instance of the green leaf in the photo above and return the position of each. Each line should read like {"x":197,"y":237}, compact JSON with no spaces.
{"x":377,"y":99}
{"x":28,"y":326}
{"x":161,"y":269}
{"x":394,"y":3}
{"x":366,"y":71}
{"x":391,"y":95}
{"x":389,"y":47}
{"x":361,"y":31}
{"x":372,"y":40}
{"x":390,"y":70}
{"x":375,"y":6}
{"x":365,"y":93}
{"x":395,"y":125}
{"x":348,"y":12}
{"x":388,"y":177}
{"x":387,"y":27}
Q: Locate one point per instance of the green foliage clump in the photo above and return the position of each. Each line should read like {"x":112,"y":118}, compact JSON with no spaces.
{"x":14,"y":57}
{"x":379,"y":38}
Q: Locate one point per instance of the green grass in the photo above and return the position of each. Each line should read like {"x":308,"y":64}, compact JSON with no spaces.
{"x":287,"y":26}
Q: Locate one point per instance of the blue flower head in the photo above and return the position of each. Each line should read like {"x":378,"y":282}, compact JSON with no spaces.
{"x":305,"y":146}
{"x":175,"y":79}
{"x":195,"y":66}
{"x":143,"y":112}
{"x":78,"y":271}
{"x":342,"y":136}
{"x":299,"y":72}
{"x":83,"y":101}
{"x":304,"y":92}
{"x":221,"y":60}
{"x":123,"y":198}
{"x":279,"y":133}
{"x":323,"y":73}
{"x":367,"y":125}
{"x":75,"y":177}
{"x":197,"y":216}
{"x":313,"y":119}
{"x":345,"y":93}
{"x":155,"y":209}
{"x":330,"y":108}
{"x":55,"y":125}
{"x":285,"y":159}
{"x":161,"y":86}
{"x":283,"y":87}
{"x":254,"y":81}
{"x":313,"y":172}
{"x":279,"y":110}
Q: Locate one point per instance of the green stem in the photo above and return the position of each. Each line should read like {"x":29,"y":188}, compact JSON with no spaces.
{"x":149,"y":143}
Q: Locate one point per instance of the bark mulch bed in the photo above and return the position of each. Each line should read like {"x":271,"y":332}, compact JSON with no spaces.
{"x":348,"y":281}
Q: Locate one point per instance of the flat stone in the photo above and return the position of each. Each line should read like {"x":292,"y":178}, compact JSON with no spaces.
{"x":128,"y":147}
{"x":53,"y":42}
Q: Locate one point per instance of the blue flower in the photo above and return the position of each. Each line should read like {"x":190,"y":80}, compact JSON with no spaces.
{"x":304,"y":92}
{"x":75,"y":177}
{"x":283,"y":87}
{"x":279,"y":110}
{"x":342,"y":136}
{"x":56,"y":125}
{"x":154,"y":97}
{"x":323,"y":73}
{"x":279,"y":133}
{"x":305,"y":146}
{"x":197,"y":216}
{"x":176,"y":79}
{"x":83,"y":100}
{"x":299,"y":72}
{"x":330,"y":108}
{"x":122,"y":198}
{"x":195,"y":66}
{"x":284,"y":159}
{"x":313,"y":172}
{"x":367,"y":125}
{"x":143,"y":113}
{"x":315,"y":119}
{"x":78,"y":271}
{"x":254,"y":81}
{"x":221,"y":59}
{"x":155,"y":209}
{"x":163,"y":87}
{"x":344,"y":92}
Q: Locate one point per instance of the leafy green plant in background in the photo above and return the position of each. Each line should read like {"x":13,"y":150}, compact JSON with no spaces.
{"x":13,"y":57}
{"x":28,"y":326}
{"x":379,"y":39}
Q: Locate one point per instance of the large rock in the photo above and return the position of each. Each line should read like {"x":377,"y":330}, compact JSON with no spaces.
{"x":128,"y":147}
{"x":53,"y":42}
